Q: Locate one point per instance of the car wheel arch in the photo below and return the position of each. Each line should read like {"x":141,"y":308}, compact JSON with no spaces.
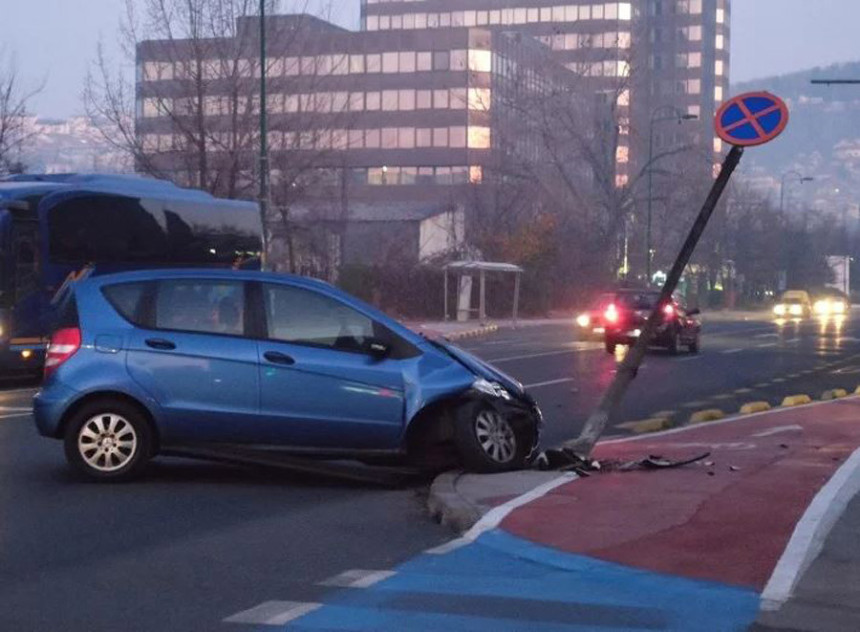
{"x":95,"y":396}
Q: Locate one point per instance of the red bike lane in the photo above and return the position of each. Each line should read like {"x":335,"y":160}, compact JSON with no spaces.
{"x":726,"y":519}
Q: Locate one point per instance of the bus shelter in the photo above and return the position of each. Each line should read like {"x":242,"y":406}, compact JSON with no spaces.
{"x":481,"y":268}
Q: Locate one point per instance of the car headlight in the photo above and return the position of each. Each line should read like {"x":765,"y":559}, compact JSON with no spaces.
{"x":796,"y":310}
{"x":490,"y":388}
{"x":583,"y":320}
{"x":779,"y":310}
{"x":838,"y":307}
{"x":821,"y":307}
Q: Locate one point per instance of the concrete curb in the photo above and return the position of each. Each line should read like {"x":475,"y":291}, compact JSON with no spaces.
{"x":835,"y":393}
{"x":448,"y":506}
{"x":754,"y":407}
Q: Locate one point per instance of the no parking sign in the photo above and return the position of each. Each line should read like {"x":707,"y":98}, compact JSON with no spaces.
{"x":754,"y":118}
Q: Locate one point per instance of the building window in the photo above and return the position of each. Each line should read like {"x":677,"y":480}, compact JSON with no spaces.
{"x":389,"y":138}
{"x":407,"y":100}
{"x":480,"y":60}
{"x":372,"y":23}
{"x":406,"y":137}
{"x":718,"y":93}
{"x":374,"y":62}
{"x":355,"y":139}
{"x":721,"y":42}
{"x":719,"y":68}
{"x":479,"y":99}
{"x":371,"y":138}
{"x":373,"y":101}
{"x":356,"y":64}
{"x":625,"y":11}
{"x":441,"y":60}
{"x":476,"y":174}
{"x":479,"y":137}
{"x":458,"y":60}
{"x":421,"y":21}
{"x":389,"y":100}
{"x":423,"y":137}
{"x":483,"y":18}
{"x":495,"y":17}
{"x":384,"y":22}
{"x":424,"y":99}
{"x":440,"y":136}
{"x":291,"y":66}
{"x":622,"y":154}
{"x":694,"y":110}
{"x":407,"y":61}
{"x":721,"y":16}
{"x":597,"y":12}
{"x":424,"y":61}
{"x":389,"y":62}
{"x":356,"y":101}
{"x":456,"y":136}
{"x":440,"y":99}
{"x":718,"y":145}
{"x":458,"y":98}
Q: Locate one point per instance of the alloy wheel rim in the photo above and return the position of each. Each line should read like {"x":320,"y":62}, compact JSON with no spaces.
{"x":495,"y":436}
{"x":107,"y":442}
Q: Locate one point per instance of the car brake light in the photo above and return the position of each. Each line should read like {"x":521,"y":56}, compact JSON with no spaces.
{"x":611,"y":314}
{"x":64,"y":344}
{"x":669,"y":310}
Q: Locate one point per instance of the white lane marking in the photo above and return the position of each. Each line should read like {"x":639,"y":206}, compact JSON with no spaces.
{"x":494,"y":517}
{"x":532,"y":355}
{"x":273,"y":612}
{"x":13,"y":415}
{"x":792,"y":341}
{"x":811,"y":531}
{"x":728,"y":351}
{"x":550,"y":382}
{"x":357,"y":578}
{"x":772,"y":335}
{"x":767,"y":344}
{"x":690,"y":358}
{"x":778,"y":430}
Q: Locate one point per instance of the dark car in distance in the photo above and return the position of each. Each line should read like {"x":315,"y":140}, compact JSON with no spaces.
{"x":625,"y":317}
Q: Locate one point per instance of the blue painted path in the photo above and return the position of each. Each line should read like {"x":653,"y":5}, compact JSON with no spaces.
{"x":506,"y":584}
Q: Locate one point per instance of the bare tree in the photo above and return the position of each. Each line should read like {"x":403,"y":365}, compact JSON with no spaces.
{"x":14,"y":101}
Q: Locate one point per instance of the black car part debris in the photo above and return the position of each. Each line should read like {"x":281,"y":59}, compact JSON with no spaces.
{"x":565,"y":460}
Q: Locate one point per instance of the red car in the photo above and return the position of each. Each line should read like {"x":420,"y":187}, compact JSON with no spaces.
{"x":625,"y":317}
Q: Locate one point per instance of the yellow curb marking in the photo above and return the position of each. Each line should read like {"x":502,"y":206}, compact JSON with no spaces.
{"x":702,"y":416}
{"x":754,"y":407}
{"x":796,"y":400}
{"x":647,"y":425}
{"x":835,"y":393}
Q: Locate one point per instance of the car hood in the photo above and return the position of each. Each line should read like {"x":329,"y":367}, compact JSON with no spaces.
{"x":481,"y":368}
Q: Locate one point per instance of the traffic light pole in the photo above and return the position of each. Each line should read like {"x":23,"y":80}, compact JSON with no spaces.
{"x":609,"y":404}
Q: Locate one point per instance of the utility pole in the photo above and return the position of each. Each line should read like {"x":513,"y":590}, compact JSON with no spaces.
{"x":800,"y":178}
{"x":264,"y":149}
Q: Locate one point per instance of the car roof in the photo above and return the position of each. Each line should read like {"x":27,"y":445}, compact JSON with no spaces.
{"x":206,"y":273}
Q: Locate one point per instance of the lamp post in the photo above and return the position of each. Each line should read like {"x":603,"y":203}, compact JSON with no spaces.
{"x":675,"y":116}
{"x":800,"y":178}
{"x":264,"y":149}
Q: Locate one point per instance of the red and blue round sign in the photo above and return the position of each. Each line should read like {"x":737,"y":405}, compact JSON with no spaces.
{"x":754,"y":118}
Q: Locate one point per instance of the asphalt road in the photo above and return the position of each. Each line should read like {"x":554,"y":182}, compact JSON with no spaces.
{"x":194,"y":543}
{"x":740,"y":361}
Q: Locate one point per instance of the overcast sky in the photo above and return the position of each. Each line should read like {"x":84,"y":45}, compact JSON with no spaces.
{"x":54,"y":40}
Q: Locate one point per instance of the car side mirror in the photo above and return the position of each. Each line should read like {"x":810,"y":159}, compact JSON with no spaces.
{"x":376,"y":348}
{"x":694,"y":312}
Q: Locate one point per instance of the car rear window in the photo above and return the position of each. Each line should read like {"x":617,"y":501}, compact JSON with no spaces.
{"x":633,"y":300}
{"x":127,"y":299}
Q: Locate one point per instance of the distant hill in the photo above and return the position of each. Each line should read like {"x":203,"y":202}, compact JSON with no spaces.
{"x":822,"y":138}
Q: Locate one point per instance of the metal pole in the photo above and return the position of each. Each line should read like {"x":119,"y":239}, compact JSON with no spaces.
{"x":446,"y":294}
{"x":650,"y":188}
{"x":609,"y":404}
{"x":264,"y":149}
{"x":516,"y":296}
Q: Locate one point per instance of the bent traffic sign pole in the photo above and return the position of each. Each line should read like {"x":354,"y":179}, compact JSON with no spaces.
{"x":746,"y":120}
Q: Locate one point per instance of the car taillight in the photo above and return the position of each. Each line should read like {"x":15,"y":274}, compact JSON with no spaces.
{"x":64,"y":344}
{"x":611,"y":314}
{"x":669,"y":310}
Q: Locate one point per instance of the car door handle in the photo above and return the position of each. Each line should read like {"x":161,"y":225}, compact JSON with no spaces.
{"x":160,"y":343}
{"x":276,"y":357}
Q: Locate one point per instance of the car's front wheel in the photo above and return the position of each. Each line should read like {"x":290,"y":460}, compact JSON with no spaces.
{"x":108,"y":440}
{"x":487,"y":441}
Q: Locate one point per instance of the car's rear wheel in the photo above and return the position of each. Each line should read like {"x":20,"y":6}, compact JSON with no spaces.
{"x":610,"y":346}
{"x":487,"y":441}
{"x":109,"y":439}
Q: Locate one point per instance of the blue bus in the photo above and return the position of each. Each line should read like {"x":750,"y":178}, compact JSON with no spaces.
{"x":56,"y":228}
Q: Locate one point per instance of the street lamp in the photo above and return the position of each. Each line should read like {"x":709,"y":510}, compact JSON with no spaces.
{"x":800,"y":178}
{"x":676,"y":115}
{"x":264,"y":150}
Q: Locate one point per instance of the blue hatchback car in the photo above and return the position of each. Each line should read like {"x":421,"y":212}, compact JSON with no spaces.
{"x":144,"y":361}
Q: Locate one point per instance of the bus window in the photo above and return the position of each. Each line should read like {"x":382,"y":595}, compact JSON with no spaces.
{"x":25,"y":259}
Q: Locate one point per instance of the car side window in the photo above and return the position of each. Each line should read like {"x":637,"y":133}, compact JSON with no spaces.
{"x":305,"y":317}
{"x":127,"y":299}
{"x":216,"y":307}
